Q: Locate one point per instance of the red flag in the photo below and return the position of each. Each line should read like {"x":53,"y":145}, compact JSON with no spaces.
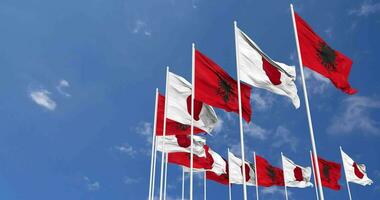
{"x":330,"y":173}
{"x":215,"y":87}
{"x":320,"y":57}
{"x":183,"y":158}
{"x":172,"y":127}
{"x":268,"y":175}
{"x":222,"y":179}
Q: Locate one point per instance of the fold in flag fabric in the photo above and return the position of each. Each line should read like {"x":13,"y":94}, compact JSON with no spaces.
{"x":212,"y":162}
{"x":172,"y":127}
{"x":330,"y":173}
{"x":219,"y":178}
{"x":268,"y":175}
{"x":296,"y":175}
{"x":181,"y":143}
{"x":259,"y":70}
{"x":355,"y":173}
{"x":236,"y":171}
{"x":179,"y":105}
{"x":320,"y":57}
{"x":215,"y":87}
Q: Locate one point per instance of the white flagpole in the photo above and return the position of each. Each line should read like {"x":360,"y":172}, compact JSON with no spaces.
{"x":240,"y":113}
{"x":154,"y":168}
{"x":164,"y":133}
{"x":286,"y":190}
{"x":256,"y":174}
{"x":315,"y":180}
{"x":166,"y":174}
{"x":204,"y":186}
{"x":153,"y":147}
{"x":315,"y":157}
{"x":229,"y":183}
{"x":192,"y":119}
{"x":183,"y":184}
{"x":344,"y":169}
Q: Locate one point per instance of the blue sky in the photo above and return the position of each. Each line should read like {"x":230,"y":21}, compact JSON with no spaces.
{"x":78,"y":78}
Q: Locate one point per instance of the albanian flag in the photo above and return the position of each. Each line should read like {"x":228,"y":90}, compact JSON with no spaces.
{"x":268,"y":175}
{"x":172,"y":127}
{"x":330,"y":173}
{"x":215,"y":87}
{"x":320,"y":57}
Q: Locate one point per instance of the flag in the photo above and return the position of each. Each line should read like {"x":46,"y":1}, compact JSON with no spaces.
{"x":172,"y":127}
{"x":259,"y":70}
{"x":268,"y":175}
{"x":219,"y":178}
{"x":215,"y":87}
{"x":236,"y":171}
{"x":212,"y":162}
{"x":296,"y":175}
{"x":355,"y":173}
{"x":320,"y":57}
{"x":330,"y":173}
{"x":181,"y":143}
{"x":179,"y":105}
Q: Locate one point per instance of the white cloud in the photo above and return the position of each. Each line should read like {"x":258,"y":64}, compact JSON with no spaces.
{"x":130,"y":180}
{"x":283,"y":137}
{"x":316,"y":83}
{"x":91,"y":185}
{"x":365,"y":9}
{"x":126,"y":149}
{"x":41,"y":97}
{"x":274,"y":190}
{"x":356,"y":115}
{"x":262,"y":100}
{"x":145,"y":129}
{"x":328,"y":32}
{"x":219,"y":126}
{"x":141,"y":27}
{"x":255,"y":131}
{"x":60,"y":87}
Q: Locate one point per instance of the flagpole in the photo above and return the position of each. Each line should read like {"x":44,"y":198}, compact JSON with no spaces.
{"x":183,"y":184}
{"x":348,"y":185}
{"x":256,"y":178}
{"x":153,"y":147}
{"x":315,"y":180}
{"x":164,"y":133}
{"x":286,"y":190}
{"x":240,"y":113}
{"x":229,"y":182}
{"x":154,"y":169}
{"x":192,"y":119}
{"x":166,"y":174}
{"x":315,"y":156}
{"x":204,"y":186}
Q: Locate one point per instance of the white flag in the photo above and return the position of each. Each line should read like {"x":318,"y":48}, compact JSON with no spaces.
{"x":259,"y":70}
{"x":236,"y":171}
{"x":179,"y":105}
{"x":219,"y":166}
{"x":181,"y":143}
{"x":355,"y":173}
{"x":295,"y":175}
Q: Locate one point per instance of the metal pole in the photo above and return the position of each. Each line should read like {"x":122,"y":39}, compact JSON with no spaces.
{"x":348,"y":185}
{"x":204,"y":186}
{"x":229,"y":183}
{"x":240,"y":113}
{"x":257,"y":182}
{"x":315,"y":180}
{"x":286,"y":190}
{"x":166,"y":174}
{"x":313,"y":145}
{"x":153,"y":148}
{"x":183,"y":184}
{"x":192,"y":120}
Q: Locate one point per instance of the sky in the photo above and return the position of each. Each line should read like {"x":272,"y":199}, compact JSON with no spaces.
{"x":78,"y":80}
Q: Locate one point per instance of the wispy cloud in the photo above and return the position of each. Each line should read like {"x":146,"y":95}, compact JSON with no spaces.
{"x":42,"y":98}
{"x":262,"y":100}
{"x":126,"y":149}
{"x":130,"y":180}
{"x":140,"y":27}
{"x":355,"y":114}
{"x":255,"y":131}
{"x":61,"y":86}
{"x":328,"y":32}
{"x":365,"y":9}
{"x":219,"y":126}
{"x":145,"y":129}
{"x":274,"y":190}
{"x":91,"y":185}
{"x":283,"y":137}
{"x":316,"y":83}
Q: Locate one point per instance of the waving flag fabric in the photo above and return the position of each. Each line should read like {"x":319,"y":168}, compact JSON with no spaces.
{"x":181,"y":143}
{"x":355,"y":173}
{"x":320,"y":57}
{"x":259,"y":70}
{"x":330,"y":173}
{"x":296,"y":175}
{"x":236,"y":171}
{"x":219,"y":178}
{"x":215,"y":87}
{"x":268,"y":175}
{"x":172,"y":127}
{"x":179,"y":105}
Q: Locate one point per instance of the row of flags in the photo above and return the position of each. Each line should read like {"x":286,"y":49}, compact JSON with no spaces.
{"x":186,"y":110}
{"x":229,"y":171}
